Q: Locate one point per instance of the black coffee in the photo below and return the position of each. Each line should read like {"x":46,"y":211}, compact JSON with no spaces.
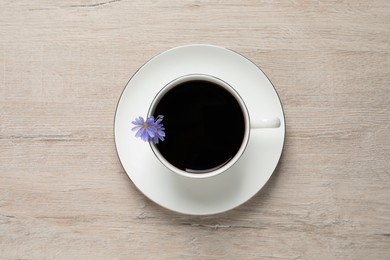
{"x":204,"y":126}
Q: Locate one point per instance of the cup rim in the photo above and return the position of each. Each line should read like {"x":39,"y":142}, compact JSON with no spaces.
{"x":198,"y":76}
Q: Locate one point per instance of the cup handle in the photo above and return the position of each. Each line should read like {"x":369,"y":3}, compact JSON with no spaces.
{"x":273,"y":122}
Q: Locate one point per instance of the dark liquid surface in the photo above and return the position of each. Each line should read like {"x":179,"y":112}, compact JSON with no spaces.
{"x":204,"y":126}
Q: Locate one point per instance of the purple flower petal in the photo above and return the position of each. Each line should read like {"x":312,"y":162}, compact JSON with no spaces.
{"x":150,"y":132}
{"x":139,"y":132}
{"x":160,"y":132}
{"x":136,"y":128}
{"x":145,"y":136}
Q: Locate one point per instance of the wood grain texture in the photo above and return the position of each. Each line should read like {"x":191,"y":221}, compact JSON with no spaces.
{"x":64,"y":194}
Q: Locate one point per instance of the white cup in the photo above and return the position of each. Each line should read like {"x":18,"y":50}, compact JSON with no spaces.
{"x":273,"y":122}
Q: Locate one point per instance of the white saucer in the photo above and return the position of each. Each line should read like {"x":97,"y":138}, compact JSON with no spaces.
{"x":224,"y":191}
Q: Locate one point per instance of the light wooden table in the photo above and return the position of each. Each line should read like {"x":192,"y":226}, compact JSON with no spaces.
{"x":64,"y":194}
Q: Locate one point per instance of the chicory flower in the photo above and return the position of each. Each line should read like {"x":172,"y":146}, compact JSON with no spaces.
{"x":150,"y":129}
